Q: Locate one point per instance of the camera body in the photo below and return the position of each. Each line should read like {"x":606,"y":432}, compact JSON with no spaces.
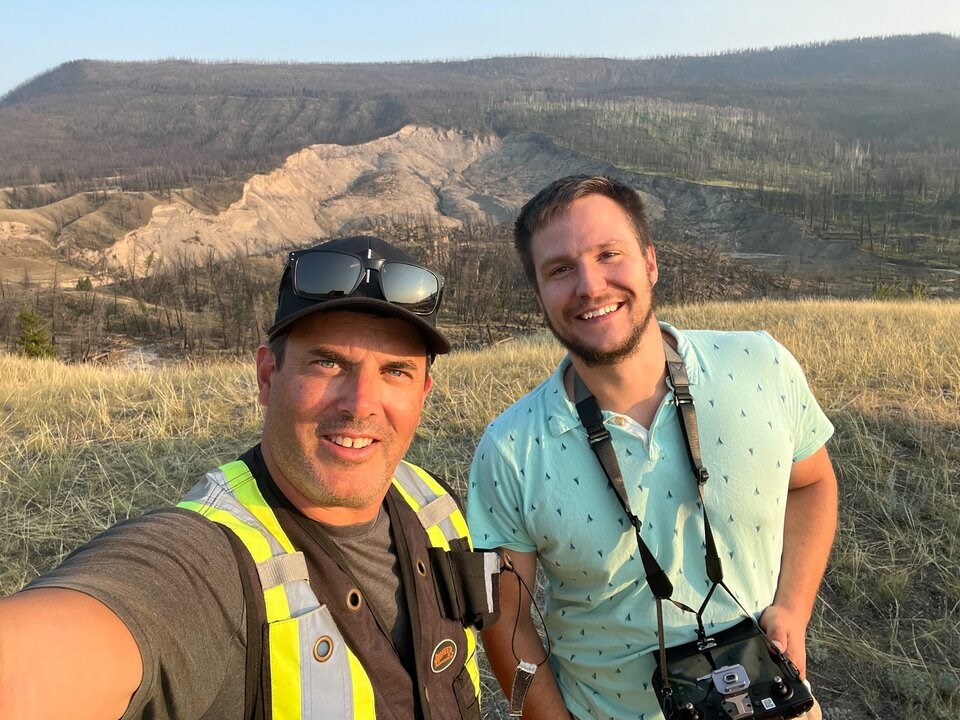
{"x":736,"y":674}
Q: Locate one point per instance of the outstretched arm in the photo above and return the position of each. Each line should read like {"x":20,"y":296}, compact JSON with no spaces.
{"x":64,"y":654}
{"x":503,"y":646}
{"x":809,"y":527}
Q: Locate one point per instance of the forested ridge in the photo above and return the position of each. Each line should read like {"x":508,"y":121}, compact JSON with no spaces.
{"x":896,"y":99}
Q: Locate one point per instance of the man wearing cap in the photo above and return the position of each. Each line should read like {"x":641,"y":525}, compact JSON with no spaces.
{"x":319,"y":575}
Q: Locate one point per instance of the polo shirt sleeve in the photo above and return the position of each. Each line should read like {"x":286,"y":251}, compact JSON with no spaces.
{"x":812,"y":428}
{"x":494,"y":498}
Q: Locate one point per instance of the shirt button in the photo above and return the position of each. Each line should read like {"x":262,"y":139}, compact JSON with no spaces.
{"x":618,"y":421}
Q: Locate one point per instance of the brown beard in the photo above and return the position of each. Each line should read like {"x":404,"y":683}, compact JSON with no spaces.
{"x":592,"y":357}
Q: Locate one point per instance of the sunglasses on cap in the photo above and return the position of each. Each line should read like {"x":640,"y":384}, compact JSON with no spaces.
{"x":319,"y":274}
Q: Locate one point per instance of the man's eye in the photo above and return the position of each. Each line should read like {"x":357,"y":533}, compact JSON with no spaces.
{"x":559,"y":270}
{"x":330,"y":364}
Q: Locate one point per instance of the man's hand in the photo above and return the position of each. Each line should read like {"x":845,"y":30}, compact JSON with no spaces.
{"x":788,"y":633}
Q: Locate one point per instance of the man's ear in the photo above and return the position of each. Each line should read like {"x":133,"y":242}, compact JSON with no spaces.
{"x":653,"y":271}
{"x":266,"y":366}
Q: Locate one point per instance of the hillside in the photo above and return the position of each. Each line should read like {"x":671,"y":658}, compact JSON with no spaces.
{"x":417,"y":176}
{"x":192,"y":271}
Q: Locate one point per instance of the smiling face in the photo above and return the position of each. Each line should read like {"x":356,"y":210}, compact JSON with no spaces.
{"x":594,"y":281}
{"x":341,"y":411}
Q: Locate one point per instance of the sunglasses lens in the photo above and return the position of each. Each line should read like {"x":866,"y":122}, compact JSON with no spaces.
{"x":412,"y":288}
{"x":325,"y":275}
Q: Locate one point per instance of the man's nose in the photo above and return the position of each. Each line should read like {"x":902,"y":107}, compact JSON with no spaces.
{"x":590,"y":279}
{"x":360,"y":393}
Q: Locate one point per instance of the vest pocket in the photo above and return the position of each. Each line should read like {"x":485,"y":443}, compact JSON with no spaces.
{"x":467,"y":585}
{"x":467,"y":699}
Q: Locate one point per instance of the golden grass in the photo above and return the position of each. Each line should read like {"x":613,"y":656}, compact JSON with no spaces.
{"x":86,"y":446}
{"x":886,"y":638}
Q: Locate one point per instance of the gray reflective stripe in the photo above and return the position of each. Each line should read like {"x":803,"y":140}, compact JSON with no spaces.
{"x":282,"y":569}
{"x":436,"y":510}
{"x":491,"y":567}
{"x":300,"y":598}
{"x":214,"y":491}
{"x":425,"y":496}
{"x":414,"y":484}
{"x":326,"y":688}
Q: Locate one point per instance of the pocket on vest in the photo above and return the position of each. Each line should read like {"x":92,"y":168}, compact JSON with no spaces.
{"x":466,"y":696}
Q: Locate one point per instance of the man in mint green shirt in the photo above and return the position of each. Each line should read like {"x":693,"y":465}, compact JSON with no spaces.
{"x":538,"y":493}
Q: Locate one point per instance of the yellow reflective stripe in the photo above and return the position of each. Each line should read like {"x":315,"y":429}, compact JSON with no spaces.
{"x":246,"y":490}
{"x":257,"y":545}
{"x":411,"y":500}
{"x":456,"y":517}
{"x":471,"y":663}
{"x":285,"y":687}
{"x":434,"y":534}
{"x":460,"y":524}
{"x":363,"y":707}
{"x":276,"y":604}
{"x":431,"y":483}
{"x":252,"y":538}
{"x":437,"y":538}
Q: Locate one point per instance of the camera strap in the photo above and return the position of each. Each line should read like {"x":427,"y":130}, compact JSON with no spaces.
{"x":600,"y":442}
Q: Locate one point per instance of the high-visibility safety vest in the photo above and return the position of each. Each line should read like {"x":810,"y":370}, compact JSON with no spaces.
{"x":313,"y":673}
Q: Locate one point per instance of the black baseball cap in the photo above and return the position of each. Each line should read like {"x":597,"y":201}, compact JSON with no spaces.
{"x":360,"y":273}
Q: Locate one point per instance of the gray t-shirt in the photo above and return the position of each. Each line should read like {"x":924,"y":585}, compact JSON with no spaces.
{"x":172,"y":578}
{"x":370,"y":552}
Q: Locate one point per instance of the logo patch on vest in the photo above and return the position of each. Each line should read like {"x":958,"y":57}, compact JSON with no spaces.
{"x":443,"y":655}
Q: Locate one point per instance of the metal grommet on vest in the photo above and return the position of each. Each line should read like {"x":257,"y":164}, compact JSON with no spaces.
{"x":354,"y":600}
{"x":323,"y":648}
{"x":421,"y":567}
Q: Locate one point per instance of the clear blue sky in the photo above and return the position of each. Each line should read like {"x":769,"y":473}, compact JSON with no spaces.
{"x":38,"y":35}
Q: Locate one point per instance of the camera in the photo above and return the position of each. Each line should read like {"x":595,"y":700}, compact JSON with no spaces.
{"x":736,"y":674}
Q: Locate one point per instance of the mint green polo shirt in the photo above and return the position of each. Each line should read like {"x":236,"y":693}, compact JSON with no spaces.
{"x":535,"y":485}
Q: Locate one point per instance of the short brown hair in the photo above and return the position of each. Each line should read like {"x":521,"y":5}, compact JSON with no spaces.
{"x":553,"y":201}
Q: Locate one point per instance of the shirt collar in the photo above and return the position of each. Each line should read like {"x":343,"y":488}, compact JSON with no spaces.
{"x":561,"y":412}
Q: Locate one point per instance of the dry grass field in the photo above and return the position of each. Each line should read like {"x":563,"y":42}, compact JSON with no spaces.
{"x":85,"y":446}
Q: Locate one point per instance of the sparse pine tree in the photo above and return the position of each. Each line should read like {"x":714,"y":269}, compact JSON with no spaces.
{"x":33,"y":340}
